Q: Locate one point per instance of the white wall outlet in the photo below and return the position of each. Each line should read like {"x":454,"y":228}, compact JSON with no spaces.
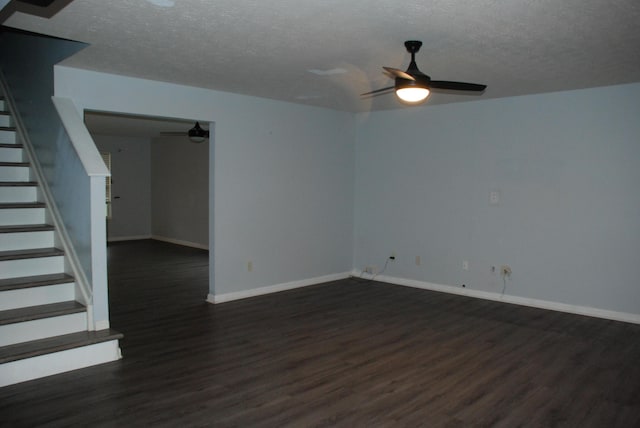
{"x":393,"y":255}
{"x":418,"y":261}
{"x":465,"y":265}
{"x":249,"y":266}
{"x":494,"y":197}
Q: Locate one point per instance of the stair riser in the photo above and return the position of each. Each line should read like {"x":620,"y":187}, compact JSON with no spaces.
{"x":16,"y":216}
{"x":58,"y":362}
{"x":5,"y":120}
{"x":7,"y":137}
{"x":42,"y":328}
{"x":18,"y":194}
{"x":26,"y":240}
{"x":29,"y":267}
{"x":10,"y":154}
{"x":14,"y":173}
{"x":44,"y":295}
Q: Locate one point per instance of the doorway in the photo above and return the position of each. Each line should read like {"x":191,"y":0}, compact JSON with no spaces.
{"x":160,"y":179}
{"x":160,"y":196}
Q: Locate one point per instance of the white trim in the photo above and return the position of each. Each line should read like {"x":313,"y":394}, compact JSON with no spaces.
{"x":129,"y":238}
{"x":227,"y":297}
{"x":42,"y":328}
{"x":80,"y":138}
{"x":59,"y":362}
{"x":102,"y":325}
{"x":506,"y":298}
{"x":180,"y":242}
{"x":99,"y":281}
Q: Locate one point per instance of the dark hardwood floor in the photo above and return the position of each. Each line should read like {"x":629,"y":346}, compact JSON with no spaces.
{"x":349,"y":353}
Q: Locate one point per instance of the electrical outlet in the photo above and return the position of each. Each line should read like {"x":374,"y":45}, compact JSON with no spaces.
{"x":393,"y":255}
{"x":465,"y":265}
{"x":418,"y":261}
{"x":249,"y":266}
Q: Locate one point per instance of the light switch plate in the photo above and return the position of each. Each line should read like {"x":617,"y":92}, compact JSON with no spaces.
{"x":494,"y":197}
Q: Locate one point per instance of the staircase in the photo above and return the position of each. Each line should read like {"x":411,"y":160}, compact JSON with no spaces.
{"x":44,"y":329}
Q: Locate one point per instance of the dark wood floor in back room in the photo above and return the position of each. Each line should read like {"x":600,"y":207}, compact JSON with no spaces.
{"x":349,"y":353}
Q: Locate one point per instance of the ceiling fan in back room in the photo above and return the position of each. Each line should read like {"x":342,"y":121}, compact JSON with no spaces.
{"x":413,"y":86}
{"x":195,"y":134}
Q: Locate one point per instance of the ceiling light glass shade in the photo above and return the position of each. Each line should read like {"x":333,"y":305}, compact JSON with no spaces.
{"x":196,"y":139}
{"x":412,"y":94}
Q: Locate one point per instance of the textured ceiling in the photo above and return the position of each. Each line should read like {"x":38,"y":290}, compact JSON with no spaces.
{"x":266,"y":48}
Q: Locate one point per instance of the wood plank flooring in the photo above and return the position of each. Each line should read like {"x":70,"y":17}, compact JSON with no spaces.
{"x":349,"y":353}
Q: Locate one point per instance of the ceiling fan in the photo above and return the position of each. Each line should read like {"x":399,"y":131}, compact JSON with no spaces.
{"x":413,"y":86}
{"x":195,"y":134}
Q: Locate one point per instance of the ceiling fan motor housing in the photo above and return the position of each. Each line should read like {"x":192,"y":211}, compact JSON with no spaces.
{"x":413,"y":46}
{"x":197,"y":134}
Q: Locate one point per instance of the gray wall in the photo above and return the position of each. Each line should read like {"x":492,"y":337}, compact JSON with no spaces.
{"x":131,"y":186}
{"x":281,"y":187}
{"x":566,"y":167}
{"x":180,"y":190}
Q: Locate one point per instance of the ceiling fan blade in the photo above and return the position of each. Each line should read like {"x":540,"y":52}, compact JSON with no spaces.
{"x":456,"y":86}
{"x":177,"y":133}
{"x":399,"y":73}
{"x":378,"y":91}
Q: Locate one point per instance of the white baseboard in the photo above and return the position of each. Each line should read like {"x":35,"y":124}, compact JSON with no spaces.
{"x":128,"y":238}
{"x":227,"y":297}
{"x":180,"y":242}
{"x":159,"y":238}
{"x":516,"y":300}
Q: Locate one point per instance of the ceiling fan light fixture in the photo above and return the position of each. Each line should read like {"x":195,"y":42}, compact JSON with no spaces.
{"x":413,"y":86}
{"x":197,"y":134}
{"x":413,"y":94}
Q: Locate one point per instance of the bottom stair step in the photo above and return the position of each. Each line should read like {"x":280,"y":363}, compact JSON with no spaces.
{"x":55,"y":344}
{"x":59,"y":354}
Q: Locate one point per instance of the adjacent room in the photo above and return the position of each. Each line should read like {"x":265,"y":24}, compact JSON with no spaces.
{"x":159,"y":184}
{"x":333,"y":252}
